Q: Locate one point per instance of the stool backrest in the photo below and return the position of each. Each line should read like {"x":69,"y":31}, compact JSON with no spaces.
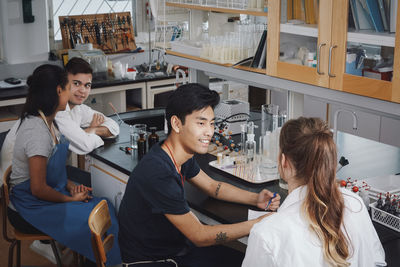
{"x":99,"y":222}
{"x":5,"y":200}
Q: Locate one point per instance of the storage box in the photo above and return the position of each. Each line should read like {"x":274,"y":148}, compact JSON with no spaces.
{"x":385,"y":218}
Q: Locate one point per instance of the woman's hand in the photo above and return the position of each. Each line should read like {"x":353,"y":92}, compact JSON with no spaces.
{"x":81,"y":196}
{"x":79,"y":188}
{"x":79,"y":191}
{"x":268,"y":200}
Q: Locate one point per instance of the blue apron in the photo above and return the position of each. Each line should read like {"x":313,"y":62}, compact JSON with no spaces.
{"x":65,"y":222}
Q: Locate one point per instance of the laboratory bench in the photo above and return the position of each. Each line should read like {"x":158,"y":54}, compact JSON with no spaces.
{"x":107,"y":81}
{"x":110,"y":168}
{"x":124,"y":94}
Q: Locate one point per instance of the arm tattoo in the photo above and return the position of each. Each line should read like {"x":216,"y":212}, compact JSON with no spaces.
{"x":217,"y":190}
{"x":221,"y":238}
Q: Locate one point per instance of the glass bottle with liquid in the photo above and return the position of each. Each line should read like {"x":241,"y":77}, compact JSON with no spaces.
{"x":153,"y":137}
{"x":250,"y":148}
{"x":141,"y":143}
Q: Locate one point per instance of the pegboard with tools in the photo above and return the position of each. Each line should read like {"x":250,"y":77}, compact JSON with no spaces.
{"x":110,"y":32}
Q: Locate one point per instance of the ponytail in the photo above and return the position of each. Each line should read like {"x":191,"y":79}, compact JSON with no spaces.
{"x":308,"y":144}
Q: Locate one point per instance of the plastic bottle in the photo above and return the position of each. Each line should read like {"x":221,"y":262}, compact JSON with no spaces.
{"x":310,"y":58}
{"x":141,"y":145}
{"x":387,"y":204}
{"x":153,"y":137}
{"x":393,"y":205}
{"x":379,"y":203}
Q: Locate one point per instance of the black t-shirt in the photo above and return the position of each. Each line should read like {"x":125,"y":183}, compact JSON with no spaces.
{"x":154,"y":189}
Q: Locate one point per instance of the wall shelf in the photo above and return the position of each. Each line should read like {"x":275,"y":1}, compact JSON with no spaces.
{"x":372,"y":38}
{"x":255,"y":70}
{"x":262,"y":71}
{"x":310,"y":30}
{"x":218,"y":9}
{"x":362,"y":36}
{"x":169,"y":52}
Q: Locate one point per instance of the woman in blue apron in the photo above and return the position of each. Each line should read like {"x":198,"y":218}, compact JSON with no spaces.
{"x":47,"y":200}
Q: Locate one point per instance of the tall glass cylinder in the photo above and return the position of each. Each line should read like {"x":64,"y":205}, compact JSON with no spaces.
{"x":268,"y":140}
{"x":269,"y":118}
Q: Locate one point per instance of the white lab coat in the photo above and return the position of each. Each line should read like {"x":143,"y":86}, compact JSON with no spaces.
{"x":70,"y":123}
{"x":284,"y":238}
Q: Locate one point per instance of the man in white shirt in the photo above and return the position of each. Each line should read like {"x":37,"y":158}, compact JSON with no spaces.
{"x":81,"y":125}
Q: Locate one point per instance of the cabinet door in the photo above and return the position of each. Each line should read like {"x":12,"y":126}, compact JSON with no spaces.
{"x":291,"y":47}
{"x":381,"y":50}
{"x":108,"y":182}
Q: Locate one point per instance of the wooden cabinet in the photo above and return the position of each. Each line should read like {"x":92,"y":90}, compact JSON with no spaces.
{"x":229,"y":50}
{"x":332,"y":37}
{"x":319,"y":34}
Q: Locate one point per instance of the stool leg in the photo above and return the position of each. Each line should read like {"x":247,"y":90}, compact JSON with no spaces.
{"x":56,"y":254}
{"x":81,"y":260}
{"x":18,"y":253}
{"x":76,"y":259}
{"x":11,"y":253}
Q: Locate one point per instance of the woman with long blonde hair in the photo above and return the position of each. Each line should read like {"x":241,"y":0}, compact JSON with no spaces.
{"x":318,"y":224}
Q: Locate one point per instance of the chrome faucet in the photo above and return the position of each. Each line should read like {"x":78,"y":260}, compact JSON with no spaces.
{"x":335,"y":118}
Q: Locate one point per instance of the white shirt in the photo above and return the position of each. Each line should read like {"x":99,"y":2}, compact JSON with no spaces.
{"x":70,"y":123}
{"x":284,"y":238}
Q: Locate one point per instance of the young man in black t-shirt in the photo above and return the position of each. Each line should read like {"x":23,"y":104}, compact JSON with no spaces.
{"x":156,"y":223}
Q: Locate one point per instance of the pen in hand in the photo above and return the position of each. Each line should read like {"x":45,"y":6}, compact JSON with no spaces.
{"x":269,"y":202}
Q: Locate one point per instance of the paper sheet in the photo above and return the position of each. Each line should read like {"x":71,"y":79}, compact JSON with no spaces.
{"x":254,"y":214}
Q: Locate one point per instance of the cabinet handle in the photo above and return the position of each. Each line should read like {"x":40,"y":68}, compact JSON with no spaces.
{"x":318,"y":58}
{"x":330,"y":61}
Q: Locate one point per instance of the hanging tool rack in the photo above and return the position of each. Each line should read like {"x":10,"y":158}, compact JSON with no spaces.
{"x":110,"y":32}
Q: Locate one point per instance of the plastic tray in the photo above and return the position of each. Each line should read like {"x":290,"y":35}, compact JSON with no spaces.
{"x":383,"y":184}
{"x":385,"y":218}
{"x":251,"y":175}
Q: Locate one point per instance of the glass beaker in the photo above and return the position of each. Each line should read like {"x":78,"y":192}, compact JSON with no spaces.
{"x":269,"y":118}
{"x":135,"y":130}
